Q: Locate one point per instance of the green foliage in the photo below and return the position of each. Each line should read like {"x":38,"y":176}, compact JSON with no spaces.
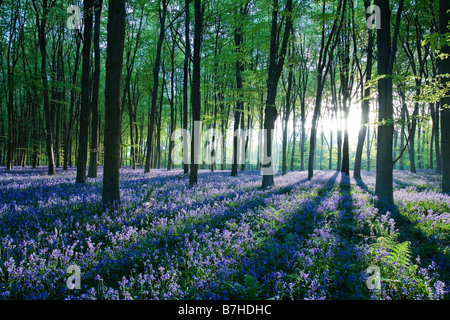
{"x":249,"y":290}
{"x":400,"y":254}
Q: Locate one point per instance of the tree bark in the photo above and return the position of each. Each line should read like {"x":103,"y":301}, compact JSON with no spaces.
{"x":73,"y":98}
{"x":444,"y":68}
{"x":323,"y":67}
{"x":287,"y":114}
{"x":365,"y":104}
{"x":93,"y":158}
{"x":276,"y":62}
{"x":151,"y":128}
{"x":172,"y":104}
{"x":41,"y":22}
{"x":386,"y":56}
{"x":238,"y":112}
{"x":113,"y":103}
{"x":196,"y":94}
{"x":185,"y":87}
{"x":85,"y":93}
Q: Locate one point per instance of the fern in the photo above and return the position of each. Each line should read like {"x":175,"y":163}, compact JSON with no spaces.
{"x":386,"y":243}
{"x":397,"y":252}
{"x":401,"y":253}
{"x":251,"y":290}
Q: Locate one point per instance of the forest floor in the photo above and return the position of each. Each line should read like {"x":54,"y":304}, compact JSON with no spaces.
{"x":224,"y":239}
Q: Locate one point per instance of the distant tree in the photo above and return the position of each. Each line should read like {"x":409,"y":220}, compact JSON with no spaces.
{"x":162,"y":11}
{"x":365,"y":104}
{"x":41,"y":13}
{"x":238,"y":111}
{"x":328,"y":43}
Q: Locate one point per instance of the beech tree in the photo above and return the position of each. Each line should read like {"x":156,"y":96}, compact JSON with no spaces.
{"x":113,"y":101}
{"x":386,"y":45}
{"x":276,"y":62}
{"x":444,"y":68}
{"x":199,"y":10}
{"x":85,"y":92}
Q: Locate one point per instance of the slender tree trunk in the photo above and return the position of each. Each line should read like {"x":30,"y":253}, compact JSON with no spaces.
{"x":287,"y":114}
{"x":11,"y":60}
{"x":85,"y":93}
{"x":73,"y":98}
{"x":92,"y":173}
{"x":330,"y":163}
{"x":151,"y":127}
{"x":159,"y":122}
{"x":402,"y":136}
{"x":294,"y":122}
{"x":276,"y":62}
{"x":11,"y":124}
{"x":196,"y":95}
{"x":368,"y":150}
{"x":303,"y":137}
{"x":365,"y":104}
{"x":185,"y":87}
{"x":323,"y":67}
{"x":172,"y":104}
{"x":437,"y":138}
{"x":42,"y":26}
{"x":238,"y":113}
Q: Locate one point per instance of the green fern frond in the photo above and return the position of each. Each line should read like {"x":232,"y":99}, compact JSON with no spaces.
{"x":401,"y":253}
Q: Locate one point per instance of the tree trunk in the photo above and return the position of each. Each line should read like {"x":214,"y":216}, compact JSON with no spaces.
{"x":42,"y":25}
{"x":365,"y":104}
{"x":238,"y":112}
{"x":386,"y":56}
{"x":93,"y":157}
{"x":185,"y":88}
{"x":73,"y":98}
{"x":323,"y":67}
{"x":444,"y":68}
{"x":196,"y":95}
{"x":402,"y":135}
{"x":85,"y":93}
{"x":294,"y":134}
{"x":113,"y":103}
{"x":172,"y":104}
{"x":287,"y":114}
{"x":436,"y":141}
{"x":276,"y":62}
{"x":157,"y":66}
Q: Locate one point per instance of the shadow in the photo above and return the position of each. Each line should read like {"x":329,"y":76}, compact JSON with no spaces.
{"x":227,"y":217}
{"x":313,"y":228}
{"x":430,"y":248}
{"x":360,"y":183}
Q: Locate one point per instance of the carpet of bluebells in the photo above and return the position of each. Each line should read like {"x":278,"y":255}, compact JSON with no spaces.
{"x":224,"y":239}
